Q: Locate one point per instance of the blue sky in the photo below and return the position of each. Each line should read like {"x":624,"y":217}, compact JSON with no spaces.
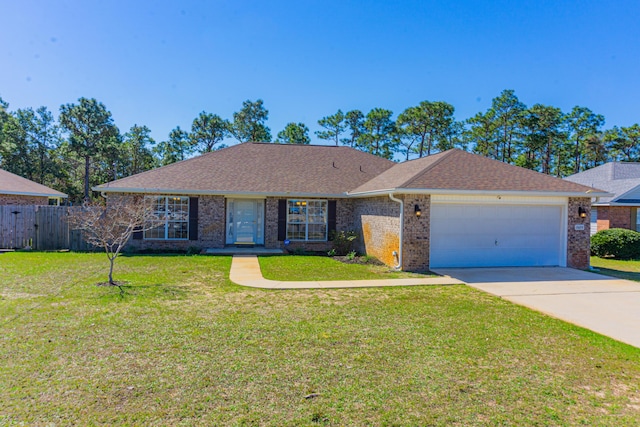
{"x":160,"y":63}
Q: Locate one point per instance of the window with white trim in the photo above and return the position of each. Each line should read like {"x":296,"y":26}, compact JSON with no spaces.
{"x":171,"y":218}
{"x":307,"y":220}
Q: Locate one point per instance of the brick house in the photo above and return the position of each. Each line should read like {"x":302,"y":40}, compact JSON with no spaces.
{"x":618,"y":209}
{"x":16,"y":190}
{"x":450,"y":209}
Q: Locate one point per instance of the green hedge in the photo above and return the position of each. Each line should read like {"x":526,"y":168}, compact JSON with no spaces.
{"x":616,"y":242}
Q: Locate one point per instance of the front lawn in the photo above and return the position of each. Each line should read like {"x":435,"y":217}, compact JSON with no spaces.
{"x":624,"y":269}
{"x":299,"y":267}
{"x":184,"y":346}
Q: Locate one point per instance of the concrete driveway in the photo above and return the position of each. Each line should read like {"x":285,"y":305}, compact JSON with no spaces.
{"x":603,"y":304}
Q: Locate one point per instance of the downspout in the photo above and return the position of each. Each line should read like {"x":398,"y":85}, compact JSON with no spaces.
{"x":399,"y":253}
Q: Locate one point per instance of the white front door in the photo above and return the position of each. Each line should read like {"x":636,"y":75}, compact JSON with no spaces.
{"x":245,"y":223}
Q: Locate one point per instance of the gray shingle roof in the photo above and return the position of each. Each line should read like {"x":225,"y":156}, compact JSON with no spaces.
{"x":617,"y":178}
{"x":14,"y":184}
{"x":261,"y":168}
{"x":459,"y":170}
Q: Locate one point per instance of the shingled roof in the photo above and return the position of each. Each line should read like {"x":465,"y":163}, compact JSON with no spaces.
{"x":618,"y":178}
{"x":457,"y":170}
{"x":11,"y":183}
{"x":258,"y":169}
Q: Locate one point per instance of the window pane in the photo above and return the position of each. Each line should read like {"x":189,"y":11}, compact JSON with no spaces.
{"x":172,"y":218}
{"x":156,"y":232}
{"x":296,"y":231}
{"x":317,"y":232}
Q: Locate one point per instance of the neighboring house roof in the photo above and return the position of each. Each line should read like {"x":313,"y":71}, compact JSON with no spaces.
{"x":11,"y":183}
{"x":258,"y":169}
{"x":620,"y":179}
{"x":459,"y":171}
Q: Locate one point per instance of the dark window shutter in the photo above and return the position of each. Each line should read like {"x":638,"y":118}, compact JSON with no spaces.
{"x":331,"y":218}
{"x":193,"y":218}
{"x":282,"y":219}
{"x":137,"y":235}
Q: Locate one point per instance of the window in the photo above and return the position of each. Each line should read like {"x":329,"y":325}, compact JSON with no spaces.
{"x":172,"y":221}
{"x":307,"y":220}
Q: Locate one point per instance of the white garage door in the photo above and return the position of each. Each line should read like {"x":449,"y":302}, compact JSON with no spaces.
{"x":476,"y":235}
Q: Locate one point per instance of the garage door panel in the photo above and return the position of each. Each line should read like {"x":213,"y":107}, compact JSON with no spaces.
{"x":495,"y":235}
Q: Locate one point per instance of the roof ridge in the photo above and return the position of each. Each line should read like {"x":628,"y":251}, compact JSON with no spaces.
{"x":444,"y":155}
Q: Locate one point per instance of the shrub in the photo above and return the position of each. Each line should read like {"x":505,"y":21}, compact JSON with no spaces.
{"x":342,"y":241}
{"x":616,"y":242}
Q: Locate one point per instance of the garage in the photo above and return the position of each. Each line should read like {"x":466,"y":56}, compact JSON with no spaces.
{"x":501,"y":233}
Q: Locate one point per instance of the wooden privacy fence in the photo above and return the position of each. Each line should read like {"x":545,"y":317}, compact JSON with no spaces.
{"x":38,"y":227}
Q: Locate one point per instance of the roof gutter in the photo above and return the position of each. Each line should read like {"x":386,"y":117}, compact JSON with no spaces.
{"x":256,"y":194}
{"x":399,"y":254}
{"x":438,"y":191}
{"x":25,"y":193}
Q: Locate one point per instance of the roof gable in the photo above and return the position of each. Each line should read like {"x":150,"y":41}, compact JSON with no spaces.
{"x":462,"y":171}
{"x":261,"y":168}
{"x":11,"y":183}
{"x":617,"y":178}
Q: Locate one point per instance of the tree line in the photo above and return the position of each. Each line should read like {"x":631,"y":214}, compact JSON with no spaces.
{"x":84,"y":147}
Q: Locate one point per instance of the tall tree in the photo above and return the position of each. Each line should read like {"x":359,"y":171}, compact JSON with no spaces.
{"x":624,"y":142}
{"x":249,"y":124}
{"x":508,"y":113}
{"x":481,"y":134}
{"x":334,"y":126}
{"x":90,"y":128}
{"x":429,"y":123}
{"x":294,"y":133}
{"x":138,"y":156}
{"x":207,"y":130}
{"x":30,"y":138}
{"x":176,"y":148}
{"x":354,"y":121}
{"x":380,"y":136}
{"x":544,"y":137}
{"x":582,"y":123}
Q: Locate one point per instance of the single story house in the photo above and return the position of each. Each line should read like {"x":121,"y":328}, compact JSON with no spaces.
{"x":619,"y":209}
{"x":16,"y":190}
{"x":452,"y":209}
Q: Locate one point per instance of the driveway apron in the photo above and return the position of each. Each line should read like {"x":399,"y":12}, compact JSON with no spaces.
{"x":600,"y":303}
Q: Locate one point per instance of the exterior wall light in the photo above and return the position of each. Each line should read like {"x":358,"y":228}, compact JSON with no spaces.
{"x":418,"y":211}
{"x":582,"y":213}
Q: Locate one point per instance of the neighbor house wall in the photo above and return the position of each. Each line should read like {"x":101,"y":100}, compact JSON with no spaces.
{"x":615,"y":217}
{"x":578,"y":241}
{"x":17,"y":199}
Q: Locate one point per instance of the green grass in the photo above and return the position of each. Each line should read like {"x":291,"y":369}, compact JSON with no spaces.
{"x":184,"y":346}
{"x":299,"y":267}
{"x":624,"y":269}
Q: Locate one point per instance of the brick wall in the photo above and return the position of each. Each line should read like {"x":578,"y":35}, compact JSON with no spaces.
{"x":16,"y":199}
{"x":615,"y":217}
{"x":344,"y":222}
{"x":377,"y":222}
{"x":578,"y":241}
{"x":415,"y":253}
{"x":211,"y":228}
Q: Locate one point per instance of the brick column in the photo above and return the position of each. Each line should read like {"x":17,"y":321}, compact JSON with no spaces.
{"x":578,"y":241}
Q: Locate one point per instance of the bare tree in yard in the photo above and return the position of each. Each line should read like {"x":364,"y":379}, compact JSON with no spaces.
{"x":111,"y":226}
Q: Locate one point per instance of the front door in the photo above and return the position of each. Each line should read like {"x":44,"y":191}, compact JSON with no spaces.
{"x":245,"y":223}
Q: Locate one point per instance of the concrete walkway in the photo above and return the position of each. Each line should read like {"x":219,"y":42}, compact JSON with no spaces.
{"x":245,"y":271}
{"x":600,"y":303}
